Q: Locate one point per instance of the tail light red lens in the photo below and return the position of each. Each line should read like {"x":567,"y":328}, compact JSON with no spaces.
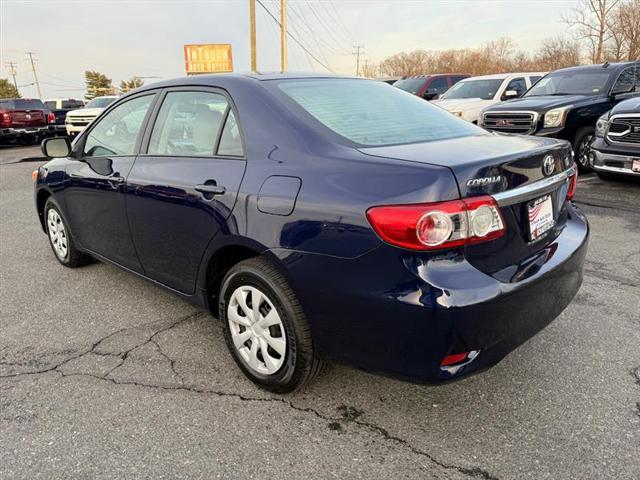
{"x":51,"y":118}
{"x":5,"y":119}
{"x":453,"y":359}
{"x":573,"y":183}
{"x":434,"y":226}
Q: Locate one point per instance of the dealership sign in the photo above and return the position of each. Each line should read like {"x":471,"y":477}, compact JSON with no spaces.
{"x":208,"y":58}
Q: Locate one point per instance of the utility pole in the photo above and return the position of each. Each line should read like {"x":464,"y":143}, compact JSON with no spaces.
{"x":12,"y":66}
{"x":252,"y":19}
{"x":283,"y":35}
{"x":35,"y":76}
{"x":359,"y":50}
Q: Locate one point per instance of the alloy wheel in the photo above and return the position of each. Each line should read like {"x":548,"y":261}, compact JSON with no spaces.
{"x":257,"y":330}
{"x":584,"y":150}
{"x":57,"y":234}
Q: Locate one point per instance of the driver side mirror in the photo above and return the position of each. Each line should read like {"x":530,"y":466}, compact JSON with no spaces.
{"x":56,"y":147}
{"x":430,"y":94}
{"x":509,"y":94}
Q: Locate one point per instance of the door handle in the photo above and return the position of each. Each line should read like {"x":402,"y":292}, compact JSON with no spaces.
{"x":211,"y":189}
{"x":117,"y":179}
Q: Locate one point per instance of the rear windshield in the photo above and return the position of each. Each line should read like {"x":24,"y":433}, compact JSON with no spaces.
{"x":22,"y":104}
{"x":72,"y":104}
{"x":484,"y":89}
{"x":372,"y":113}
{"x":100,"y":102}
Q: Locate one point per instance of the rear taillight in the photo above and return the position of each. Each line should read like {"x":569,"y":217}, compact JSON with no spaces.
{"x":434,"y":226}
{"x":573,"y":183}
{"x":51,"y":118}
{"x":5,"y":119}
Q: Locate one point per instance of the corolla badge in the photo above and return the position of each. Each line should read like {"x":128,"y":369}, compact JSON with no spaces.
{"x":548,"y":165}
{"x":477,"y":182}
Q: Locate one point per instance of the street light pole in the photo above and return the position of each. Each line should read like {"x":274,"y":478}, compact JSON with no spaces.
{"x":283,"y":35}
{"x":12,"y":66}
{"x":35,"y":75}
{"x":252,"y":20}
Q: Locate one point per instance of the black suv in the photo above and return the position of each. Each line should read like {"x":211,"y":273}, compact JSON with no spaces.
{"x":566,"y":104}
{"x":616,"y":148}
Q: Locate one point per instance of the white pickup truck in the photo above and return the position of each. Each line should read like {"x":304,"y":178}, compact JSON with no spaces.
{"x":468,"y":97}
{"x":77,"y":120}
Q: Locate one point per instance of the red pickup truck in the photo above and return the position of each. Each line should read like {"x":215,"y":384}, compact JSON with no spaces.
{"x":24,"y":121}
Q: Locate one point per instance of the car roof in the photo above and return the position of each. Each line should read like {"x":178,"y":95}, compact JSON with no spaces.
{"x":502,"y":76}
{"x":427,"y":75}
{"x":607,"y":67}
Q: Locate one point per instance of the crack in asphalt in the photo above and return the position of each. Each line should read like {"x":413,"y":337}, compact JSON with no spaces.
{"x":635,"y":373}
{"x":609,"y":277}
{"x":610,"y":206}
{"x":348,"y":414}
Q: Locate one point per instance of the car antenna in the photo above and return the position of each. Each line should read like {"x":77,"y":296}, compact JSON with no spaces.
{"x":605,"y":64}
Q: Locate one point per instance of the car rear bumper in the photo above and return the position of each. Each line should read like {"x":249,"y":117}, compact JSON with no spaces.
{"x":613,"y":163}
{"x":10,"y":133}
{"x":400,"y":313}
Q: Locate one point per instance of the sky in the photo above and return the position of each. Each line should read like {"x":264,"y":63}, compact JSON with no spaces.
{"x":144,"y":38}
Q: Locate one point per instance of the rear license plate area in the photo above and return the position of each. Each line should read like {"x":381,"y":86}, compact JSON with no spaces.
{"x":540,"y":217}
{"x":635,"y":165}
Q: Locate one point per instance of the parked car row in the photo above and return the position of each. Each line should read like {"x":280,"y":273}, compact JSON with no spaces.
{"x":573,"y":104}
{"x":26,"y":121}
{"x":467,"y":98}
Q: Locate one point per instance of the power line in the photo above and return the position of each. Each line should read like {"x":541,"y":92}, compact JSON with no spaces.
{"x":313,"y":37}
{"x":316,"y":38}
{"x":328,"y":27}
{"x":336,"y":15}
{"x":292,"y":37}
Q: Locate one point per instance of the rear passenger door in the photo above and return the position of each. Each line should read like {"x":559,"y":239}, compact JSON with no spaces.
{"x":183,"y":187}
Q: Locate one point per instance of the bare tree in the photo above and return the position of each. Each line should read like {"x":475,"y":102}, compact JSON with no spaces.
{"x":590,"y":18}
{"x":406,"y":64}
{"x":557,"y":52}
{"x":624,"y":25}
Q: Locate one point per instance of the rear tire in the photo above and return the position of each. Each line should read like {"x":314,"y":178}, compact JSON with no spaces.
{"x":582,"y":148}
{"x":272,"y":342}
{"x":60,"y":238}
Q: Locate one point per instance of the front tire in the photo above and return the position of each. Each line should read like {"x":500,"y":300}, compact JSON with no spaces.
{"x":60,"y":237}
{"x":265,"y":328}
{"x":582,"y":148}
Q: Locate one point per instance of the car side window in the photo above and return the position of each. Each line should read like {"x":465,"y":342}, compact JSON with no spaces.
{"x":117,"y":132}
{"x":188,"y":124}
{"x":626,"y":81}
{"x":534,"y":79}
{"x":517,"y":84}
{"x":230,"y":141}
{"x":439,"y":85}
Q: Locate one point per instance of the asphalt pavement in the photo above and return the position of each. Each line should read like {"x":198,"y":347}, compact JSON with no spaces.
{"x":105,"y":376}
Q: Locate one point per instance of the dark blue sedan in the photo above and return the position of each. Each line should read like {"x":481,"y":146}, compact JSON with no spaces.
{"x":324,"y":218}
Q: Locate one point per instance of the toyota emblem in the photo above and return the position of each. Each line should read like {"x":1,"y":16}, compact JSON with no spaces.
{"x":548,"y":165}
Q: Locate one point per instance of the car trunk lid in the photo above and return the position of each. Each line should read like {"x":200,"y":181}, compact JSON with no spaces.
{"x":527,"y":176}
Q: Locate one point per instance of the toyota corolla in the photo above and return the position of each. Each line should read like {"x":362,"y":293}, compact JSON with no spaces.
{"x":324,"y":218}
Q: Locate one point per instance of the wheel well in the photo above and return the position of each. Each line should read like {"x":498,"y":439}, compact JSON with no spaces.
{"x":219,"y":264}
{"x":41,"y":200}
